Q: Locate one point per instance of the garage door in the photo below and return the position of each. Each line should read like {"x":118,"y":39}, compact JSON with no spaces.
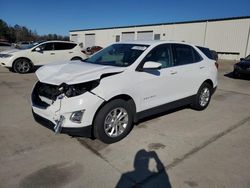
{"x":74,"y":37}
{"x":145,"y":35}
{"x":89,"y":40}
{"x":128,"y":36}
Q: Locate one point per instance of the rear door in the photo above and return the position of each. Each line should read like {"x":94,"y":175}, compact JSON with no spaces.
{"x":64,"y":51}
{"x":189,"y":69}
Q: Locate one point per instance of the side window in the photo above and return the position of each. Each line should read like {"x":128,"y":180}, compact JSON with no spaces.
{"x":160,"y":54}
{"x":47,"y":46}
{"x":206,"y":51}
{"x":185,"y":54}
{"x":64,"y":46}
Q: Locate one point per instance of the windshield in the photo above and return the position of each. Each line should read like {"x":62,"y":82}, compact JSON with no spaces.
{"x":247,"y":58}
{"x":121,"y":55}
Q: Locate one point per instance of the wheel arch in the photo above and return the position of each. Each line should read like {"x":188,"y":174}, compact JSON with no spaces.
{"x":124,"y":97}
{"x":209,"y":81}
{"x":23,"y":58}
{"x":76,"y":58}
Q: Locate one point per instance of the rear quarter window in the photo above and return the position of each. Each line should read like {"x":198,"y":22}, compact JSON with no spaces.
{"x":185,"y":54}
{"x":206,"y":51}
{"x":64,"y":46}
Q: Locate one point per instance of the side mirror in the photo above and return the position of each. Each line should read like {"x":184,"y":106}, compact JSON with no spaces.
{"x":152,"y":65}
{"x":38,"y":49}
{"x":242,"y":59}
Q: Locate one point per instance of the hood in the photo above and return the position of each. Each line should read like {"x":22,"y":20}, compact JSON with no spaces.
{"x":10,"y":51}
{"x":73,"y":72}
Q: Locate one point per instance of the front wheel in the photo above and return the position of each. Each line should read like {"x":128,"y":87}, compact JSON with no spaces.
{"x":113,"y":122}
{"x":202,"y":97}
{"x":22,"y":66}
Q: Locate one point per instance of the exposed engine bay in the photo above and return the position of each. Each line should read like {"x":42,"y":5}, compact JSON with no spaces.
{"x":45,"y":94}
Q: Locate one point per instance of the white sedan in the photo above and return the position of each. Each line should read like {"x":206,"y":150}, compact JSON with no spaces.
{"x":24,"y":60}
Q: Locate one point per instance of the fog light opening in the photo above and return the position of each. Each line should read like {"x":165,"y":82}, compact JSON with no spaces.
{"x":76,"y":117}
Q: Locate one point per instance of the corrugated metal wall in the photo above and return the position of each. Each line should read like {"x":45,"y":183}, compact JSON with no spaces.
{"x":230,"y":36}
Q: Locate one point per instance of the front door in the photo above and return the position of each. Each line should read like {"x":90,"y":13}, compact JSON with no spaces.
{"x":45,"y":56}
{"x":157,"y":87}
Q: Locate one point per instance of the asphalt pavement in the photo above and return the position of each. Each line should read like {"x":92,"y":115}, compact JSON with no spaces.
{"x":180,"y":149}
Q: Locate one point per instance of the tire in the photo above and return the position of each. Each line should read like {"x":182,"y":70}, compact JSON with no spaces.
{"x":202,"y":97}
{"x":22,"y":66}
{"x":110,"y":128}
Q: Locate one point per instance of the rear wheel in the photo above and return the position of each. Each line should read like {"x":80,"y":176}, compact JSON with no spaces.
{"x":113,"y":122}
{"x":202,"y":97}
{"x":22,"y":66}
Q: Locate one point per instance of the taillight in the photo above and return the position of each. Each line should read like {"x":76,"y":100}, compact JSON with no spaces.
{"x":216,"y":64}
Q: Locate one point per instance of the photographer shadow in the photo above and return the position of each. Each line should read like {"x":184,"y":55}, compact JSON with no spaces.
{"x":142,"y":176}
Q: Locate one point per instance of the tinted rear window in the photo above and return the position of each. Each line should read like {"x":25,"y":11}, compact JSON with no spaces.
{"x":206,"y":51}
{"x":185,"y":54}
{"x":64,"y":46}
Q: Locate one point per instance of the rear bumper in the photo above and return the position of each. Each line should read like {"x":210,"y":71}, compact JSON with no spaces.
{"x":79,"y":131}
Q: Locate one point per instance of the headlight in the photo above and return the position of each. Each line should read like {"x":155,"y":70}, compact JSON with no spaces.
{"x":78,"y":89}
{"x":5,"y":55}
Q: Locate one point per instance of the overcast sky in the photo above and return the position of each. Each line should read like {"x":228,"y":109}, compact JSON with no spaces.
{"x":48,"y":16}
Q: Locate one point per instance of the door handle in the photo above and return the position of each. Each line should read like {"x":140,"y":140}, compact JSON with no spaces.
{"x":70,"y":52}
{"x":174,"y":72}
{"x":202,"y":67}
{"x":52,"y":53}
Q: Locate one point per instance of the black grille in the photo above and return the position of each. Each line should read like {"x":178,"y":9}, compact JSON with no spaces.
{"x":46,"y":90}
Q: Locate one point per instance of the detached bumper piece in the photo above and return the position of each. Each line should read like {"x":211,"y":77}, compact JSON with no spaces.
{"x":81,"y":132}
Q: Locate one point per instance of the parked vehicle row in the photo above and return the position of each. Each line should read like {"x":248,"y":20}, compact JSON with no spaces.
{"x":91,"y":50}
{"x":242,"y":68}
{"x":36,"y":54}
{"x":106,"y":94}
{"x":5,"y":46}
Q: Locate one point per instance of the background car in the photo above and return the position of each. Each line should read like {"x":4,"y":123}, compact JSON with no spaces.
{"x":22,"y":45}
{"x":5,"y":46}
{"x":23,"y":60}
{"x":242,"y":67}
{"x":92,"y":50}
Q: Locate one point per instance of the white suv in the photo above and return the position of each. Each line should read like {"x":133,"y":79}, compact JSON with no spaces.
{"x":123,"y":83}
{"x":37,"y":54}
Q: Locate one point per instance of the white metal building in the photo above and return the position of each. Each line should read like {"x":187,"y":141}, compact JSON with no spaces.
{"x":230,"y":37}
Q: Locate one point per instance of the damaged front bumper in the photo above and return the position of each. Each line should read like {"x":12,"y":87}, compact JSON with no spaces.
{"x":56,"y":113}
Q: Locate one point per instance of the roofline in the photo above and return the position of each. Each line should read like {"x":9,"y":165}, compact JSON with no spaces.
{"x":168,"y":23}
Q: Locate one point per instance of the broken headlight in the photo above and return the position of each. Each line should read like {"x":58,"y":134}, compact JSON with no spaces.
{"x":77,"y":89}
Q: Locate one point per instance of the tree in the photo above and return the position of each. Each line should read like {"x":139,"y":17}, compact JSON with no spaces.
{"x":21,"y":33}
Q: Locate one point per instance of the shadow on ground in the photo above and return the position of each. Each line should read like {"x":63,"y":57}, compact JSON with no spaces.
{"x":242,"y":77}
{"x":142,"y":176}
